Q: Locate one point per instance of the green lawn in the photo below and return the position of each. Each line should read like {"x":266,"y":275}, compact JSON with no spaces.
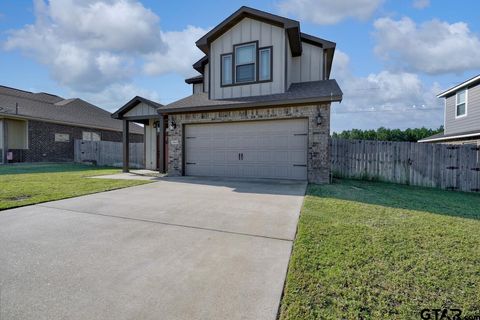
{"x":28,"y":184}
{"x":370,"y":250}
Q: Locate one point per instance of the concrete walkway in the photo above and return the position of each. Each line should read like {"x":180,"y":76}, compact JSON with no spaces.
{"x":184,"y":248}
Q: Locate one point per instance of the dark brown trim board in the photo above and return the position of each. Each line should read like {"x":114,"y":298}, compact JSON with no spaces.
{"x":126,"y":146}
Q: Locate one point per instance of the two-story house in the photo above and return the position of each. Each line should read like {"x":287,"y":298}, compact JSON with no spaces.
{"x":462,"y":114}
{"x":260,"y":106}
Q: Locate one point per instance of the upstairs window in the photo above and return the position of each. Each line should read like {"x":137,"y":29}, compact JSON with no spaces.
{"x":265,"y":64}
{"x":245,"y":62}
{"x":461,"y":104}
{"x":226,"y":69}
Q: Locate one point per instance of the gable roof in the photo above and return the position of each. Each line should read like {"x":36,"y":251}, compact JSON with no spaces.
{"x":52,"y":108}
{"x":472,"y":81}
{"x":298,"y":93}
{"x":132,"y":104}
{"x":292,"y":28}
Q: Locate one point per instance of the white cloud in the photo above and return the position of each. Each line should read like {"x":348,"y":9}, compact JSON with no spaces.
{"x":433,"y":47}
{"x":389,"y":99}
{"x":421,"y":4}
{"x":114,"y":96}
{"x":89,"y":45}
{"x":181,"y":52}
{"x":328,"y":11}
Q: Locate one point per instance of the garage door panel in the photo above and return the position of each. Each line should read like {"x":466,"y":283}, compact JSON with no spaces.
{"x":262,"y":149}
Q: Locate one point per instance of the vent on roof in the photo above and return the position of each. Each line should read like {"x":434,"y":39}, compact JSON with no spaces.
{"x":65,"y":102}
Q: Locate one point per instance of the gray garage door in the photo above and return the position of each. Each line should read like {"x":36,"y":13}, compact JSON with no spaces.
{"x":254,"y":149}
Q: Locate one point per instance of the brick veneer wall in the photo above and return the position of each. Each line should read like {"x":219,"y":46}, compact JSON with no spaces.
{"x":42,"y":146}
{"x":318,"y":161}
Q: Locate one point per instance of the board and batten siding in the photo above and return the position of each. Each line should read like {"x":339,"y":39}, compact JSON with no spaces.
{"x":150,"y":146}
{"x":249,"y":30}
{"x":307,"y":67}
{"x":197,"y":88}
{"x":467,"y":123}
{"x":141,"y":109}
{"x":205,"y":78}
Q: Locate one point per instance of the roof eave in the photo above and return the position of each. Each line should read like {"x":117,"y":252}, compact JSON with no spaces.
{"x":292,"y":27}
{"x":459,"y":86}
{"x":131,"y":104}
{"x":447,"y":138}
{"x":194,"y":80}
{"x":251,"y":105}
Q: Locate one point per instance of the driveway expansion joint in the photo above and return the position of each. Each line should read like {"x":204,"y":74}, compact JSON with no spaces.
{"x":166,"y":223}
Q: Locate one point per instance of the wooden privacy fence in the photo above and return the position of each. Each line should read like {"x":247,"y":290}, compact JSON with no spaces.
{"x":446,"y":166}
{"x":108,"y":153}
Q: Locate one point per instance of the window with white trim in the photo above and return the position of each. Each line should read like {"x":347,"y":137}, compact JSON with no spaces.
{"x":461,"y":103}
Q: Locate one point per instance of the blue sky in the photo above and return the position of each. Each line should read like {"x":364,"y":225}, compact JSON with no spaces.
{"x":392,"y":56}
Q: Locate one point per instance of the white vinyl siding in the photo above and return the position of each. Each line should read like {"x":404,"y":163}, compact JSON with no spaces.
{"x":248,"y":30}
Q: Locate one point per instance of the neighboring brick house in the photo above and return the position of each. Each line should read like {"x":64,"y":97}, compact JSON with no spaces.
{"x":40,"y":127}
{"x":462,"y":114}
{"x":260,"y":107}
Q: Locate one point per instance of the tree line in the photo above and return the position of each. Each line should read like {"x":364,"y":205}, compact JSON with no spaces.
{"x":384,"y":134}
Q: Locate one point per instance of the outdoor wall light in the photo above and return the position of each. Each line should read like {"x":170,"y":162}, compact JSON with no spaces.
{"x":173,"y":125}
{"x":319,"y":119}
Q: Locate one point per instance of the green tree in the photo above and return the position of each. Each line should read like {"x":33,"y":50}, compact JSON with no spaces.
{"x":384,"y":134}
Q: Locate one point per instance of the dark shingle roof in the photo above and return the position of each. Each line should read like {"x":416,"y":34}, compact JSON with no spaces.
{"x":298,"y":93}
{"x":451,"y":136}
{"x":47,"y":107}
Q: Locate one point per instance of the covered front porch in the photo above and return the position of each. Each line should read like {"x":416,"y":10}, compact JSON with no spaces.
{"x":144,"y":111}
{"x":13,"y":139}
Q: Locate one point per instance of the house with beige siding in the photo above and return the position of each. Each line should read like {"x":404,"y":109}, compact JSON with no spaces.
{"x":462,"y":114}
{"x":42,"y":127}
{"x":259,"y":108}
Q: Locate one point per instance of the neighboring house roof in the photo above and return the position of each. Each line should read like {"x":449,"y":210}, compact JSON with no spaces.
{"x":452,"y":136}
{"x":52,"y":108}
{"x":298,"y":93}
{"x":470,"y":82}
{"x":132,"y":104}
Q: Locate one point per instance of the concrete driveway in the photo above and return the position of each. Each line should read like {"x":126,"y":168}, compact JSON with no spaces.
{"x":184,"y":248}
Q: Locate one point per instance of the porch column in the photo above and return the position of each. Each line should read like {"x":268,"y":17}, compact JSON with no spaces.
{"x":126,"y":146}
{"x":161,"y":138}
